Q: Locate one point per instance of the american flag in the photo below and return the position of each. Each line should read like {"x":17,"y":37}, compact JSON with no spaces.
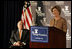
{"x":27,"y":15}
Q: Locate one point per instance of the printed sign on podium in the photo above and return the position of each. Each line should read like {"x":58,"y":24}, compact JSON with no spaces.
{"x":39,"y":34}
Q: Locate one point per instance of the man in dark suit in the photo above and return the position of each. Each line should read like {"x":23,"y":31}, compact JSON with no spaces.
{"x":20,"y":38}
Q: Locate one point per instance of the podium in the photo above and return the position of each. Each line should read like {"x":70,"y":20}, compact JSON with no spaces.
{"x":56,"y":39}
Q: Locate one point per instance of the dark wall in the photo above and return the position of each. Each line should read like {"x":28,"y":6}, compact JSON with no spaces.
{"x":1,"y":23}
{"x":10,"y":14}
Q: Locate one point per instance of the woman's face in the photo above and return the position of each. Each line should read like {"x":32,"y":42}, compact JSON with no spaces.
{"x":55,"y":12}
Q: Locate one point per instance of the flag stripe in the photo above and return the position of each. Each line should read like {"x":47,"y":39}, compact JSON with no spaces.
{"x":23,"y":17}
{"x":28,"y":17}
{"x":29,"y":13}
{"x":30,"y":9}
{"x":26,"y":25}
{"x":27,"y":20}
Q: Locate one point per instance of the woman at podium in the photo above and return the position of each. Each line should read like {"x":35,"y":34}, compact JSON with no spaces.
{"x":58,"y":21}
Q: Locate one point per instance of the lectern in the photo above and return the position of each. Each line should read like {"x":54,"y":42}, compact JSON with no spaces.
{"x":40,"y":37}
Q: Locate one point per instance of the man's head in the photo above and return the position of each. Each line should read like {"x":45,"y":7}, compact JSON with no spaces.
{"x":20,"y":25}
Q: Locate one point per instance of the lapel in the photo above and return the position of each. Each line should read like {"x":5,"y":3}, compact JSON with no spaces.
{"x":18,"y":35}
{"x":23,"y":34}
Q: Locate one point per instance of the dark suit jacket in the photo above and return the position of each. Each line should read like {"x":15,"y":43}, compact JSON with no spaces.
{"x":24,"y":38}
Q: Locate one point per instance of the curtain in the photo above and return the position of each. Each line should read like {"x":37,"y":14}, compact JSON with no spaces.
{"x":12,"y":11}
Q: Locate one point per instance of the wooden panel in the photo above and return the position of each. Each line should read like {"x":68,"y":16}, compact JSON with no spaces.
{"x":57,"y":39}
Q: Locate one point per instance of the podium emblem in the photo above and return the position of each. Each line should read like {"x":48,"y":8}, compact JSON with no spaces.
{"x":39,"y":34}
